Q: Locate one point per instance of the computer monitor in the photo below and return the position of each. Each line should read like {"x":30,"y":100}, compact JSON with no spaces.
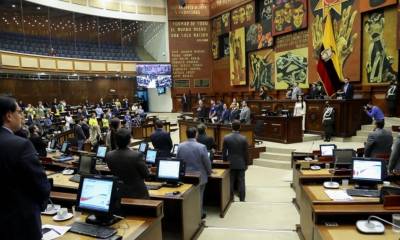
{"x":175,"y":149}
{"x":64,"y":148}
{"x":98,"y":195}
{"x":101,"y":152}
{"x":143,"y":147}
{"x":327,"y":150}
{"x":343,"y":156}
{"x":87,"y":165}
{"x":367,"y":172}
{"x":151,"y":156}
{"x":170,"y":170}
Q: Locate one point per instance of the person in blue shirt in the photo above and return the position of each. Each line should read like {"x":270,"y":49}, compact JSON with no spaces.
{"x":374,"y":112}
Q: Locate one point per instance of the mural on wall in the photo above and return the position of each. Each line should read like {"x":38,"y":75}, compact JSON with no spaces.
{"x":368,"y":5}
{"x":261,"y":69}
{"x":346,"y":31}
{"x":289,"y":15}
{"x":255,"y":39}
{"x":264,"y":17}
{"x":243,"y":16}
{"x":237,"y":57}
{"x":380,"y":59}
{"x":225,"y":22}
{"x":291,"y":67}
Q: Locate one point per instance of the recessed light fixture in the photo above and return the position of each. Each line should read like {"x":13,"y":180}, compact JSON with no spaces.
{"x":13,"y":6}
{"x":38,"y":8}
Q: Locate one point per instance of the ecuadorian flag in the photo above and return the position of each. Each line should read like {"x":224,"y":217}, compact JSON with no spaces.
{"x":329,"y":70}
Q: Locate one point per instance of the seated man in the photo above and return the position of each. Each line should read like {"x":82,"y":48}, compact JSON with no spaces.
{"x":195,"y":156}
{"x":129,"y":166}
{"x":212,"y":114}
{"x":37,"y":141}
{"x":379,"y":141}
{"x":161,"y":140}
{"x":394,"y":160}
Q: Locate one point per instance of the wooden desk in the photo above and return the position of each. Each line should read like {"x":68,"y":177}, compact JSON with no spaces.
{"x":182,"y":212}
{"x":315,"y":195}
{"x":218,"y":192}
{"x":128,"y":228}
{"x":349,"y":116}
{"x":343,"y":232}
{"x":280,"y":129}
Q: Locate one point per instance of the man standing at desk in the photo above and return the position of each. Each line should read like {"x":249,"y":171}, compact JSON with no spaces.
{"x":379,"y":141}
{"x":245,"y":113}
{"x":194,"y":154}
{"x":161,"y":140}
{"x":23,"y":181}
{"x":348,"y":90}
{"x":235,"y":150}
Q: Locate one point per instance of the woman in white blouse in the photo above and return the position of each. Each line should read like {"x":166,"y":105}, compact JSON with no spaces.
{"x":300,"y":109}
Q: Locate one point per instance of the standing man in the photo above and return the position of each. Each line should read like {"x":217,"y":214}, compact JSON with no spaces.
{"x":184,"y":103}
{"x":391,"y":98}
{"x":203,"y":138}
{"x":161,"y":140}
{"x":22,"y":179}
{"x":379,"y":141}
{"x":296,"y":91}
{"x":235,"y":150}
{"x":348,"y":90}
{"x":245,"y":114}
{"x":194,"y":155}
{"x":79,"y":134}
{"x":374,"y":112}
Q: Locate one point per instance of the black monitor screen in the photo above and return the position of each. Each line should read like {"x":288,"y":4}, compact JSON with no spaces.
{"x":151,"y":156}
{"x":327,"y":149}
{"x":343,"y":156}
{"x":101,"y":152}
{"x":367,"y":169}
{"x":143,"y":147}
{"x":95,"y":194}
{"x":64,"y":147}
{"x":168,"y":169}
{"x":86,"y":164}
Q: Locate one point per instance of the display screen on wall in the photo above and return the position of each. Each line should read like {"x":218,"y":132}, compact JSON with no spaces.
{"x":181,"y":83}
{"x":154,"y":75}
{"x":201,"y":83}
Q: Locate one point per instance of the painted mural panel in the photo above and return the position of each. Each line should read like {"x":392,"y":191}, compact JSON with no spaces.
{"x":237,"y":55}
{"x":291,"y":67}
{"x":368,"y":5}
{"x":288,"y":16}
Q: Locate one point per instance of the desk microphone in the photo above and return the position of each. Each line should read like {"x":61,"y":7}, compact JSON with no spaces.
{"x":331,"y":184}
{"x":372,"y":226}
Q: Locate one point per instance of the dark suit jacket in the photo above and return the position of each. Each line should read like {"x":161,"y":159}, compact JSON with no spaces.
{"x":394,"y":161}
{"x":206,"y":140}
{"x":129,"y":166}
{"x":235,"y":150}
{"x":225,"y":116}
{"x":235,"y":114}
{"x":39,"y":145}
{"x":378,"y":142}
{"x":349,"y":93}
{"x":161,"y":141}
{"x":25,"y":188}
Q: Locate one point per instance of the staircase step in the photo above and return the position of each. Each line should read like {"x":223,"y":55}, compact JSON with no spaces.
{"x":341,"y":139}
{"x":365,"y":133}
{"x":358,"y":139}
{"x":276,"y":156}
{"x":311,"y":137}
{"x":272,"y":163}
{"x":269,"y":149}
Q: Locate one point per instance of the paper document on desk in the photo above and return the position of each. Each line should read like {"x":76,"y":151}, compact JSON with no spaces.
{"x":338,"y":195}
{"x":52,"y":232}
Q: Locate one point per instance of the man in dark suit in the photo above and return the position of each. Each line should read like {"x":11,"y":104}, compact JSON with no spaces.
{"x":37,"y":141}
{"x":128,"y":166}
{"x":79,"y":134}
{"x":394,"y":160}
{"x":195,"y":157}
{"x":203,"y":138}
{"x":161,"y":140}
{"x":235,"y":150}
{"x":184,"y":103}
{"x":23,"y":181}
{"x":379,"y":141}
{"x":348,"y":90}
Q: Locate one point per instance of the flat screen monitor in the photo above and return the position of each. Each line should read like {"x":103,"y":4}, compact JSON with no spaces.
{"x":143,"y":147}
{"x":175,"y":149}
{"x":53,"y":144}
{"x":97,"y":195}
{"x":343,"y":156}
{"x":327,"y":149}
{"x":169,"y":170}
{"x":101,"y":152}
{"x":367,"y":170}
{"x":64,"y":148}
{"x":151,"y":156}
{"x":87,"y":165}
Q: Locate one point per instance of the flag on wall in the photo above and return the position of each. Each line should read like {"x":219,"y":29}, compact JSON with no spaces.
{"x":328,"y":66}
